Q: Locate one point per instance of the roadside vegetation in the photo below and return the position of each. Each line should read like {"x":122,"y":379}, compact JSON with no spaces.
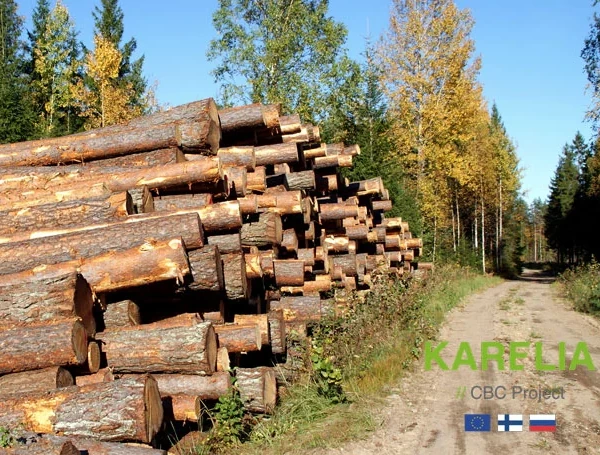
{"x":348,"y":364}
{"x":581,"y":285}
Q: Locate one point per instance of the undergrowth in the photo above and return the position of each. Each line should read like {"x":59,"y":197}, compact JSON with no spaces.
{"x":351,"y":360}
{"x":581,"y":285}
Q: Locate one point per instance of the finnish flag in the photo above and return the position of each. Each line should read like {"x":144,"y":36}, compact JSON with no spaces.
{"x":510,"y":422}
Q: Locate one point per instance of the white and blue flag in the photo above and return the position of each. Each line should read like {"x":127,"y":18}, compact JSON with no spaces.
{"x":510,"y":422}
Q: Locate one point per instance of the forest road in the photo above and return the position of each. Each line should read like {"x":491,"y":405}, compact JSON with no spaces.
{"x":425,"y":414}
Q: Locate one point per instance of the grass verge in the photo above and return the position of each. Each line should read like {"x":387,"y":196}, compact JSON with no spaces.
{"x":373,"y":343}
{"x":581,"y":286}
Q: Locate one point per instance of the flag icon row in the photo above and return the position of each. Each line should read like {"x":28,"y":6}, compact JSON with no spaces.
{"x":510,"y":422}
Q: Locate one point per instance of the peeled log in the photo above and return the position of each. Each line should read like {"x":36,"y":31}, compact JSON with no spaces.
{"x":207,"y":269}
{"x":234,"y":272}
{"x":182,"y":202}
{"x":122,"y":314}
{"x":125,"y":410}
{"x":258,"y":388}
{"x":144,"y":134}
{"x":276,"y":154}
{"x":36,"y":381}
{"x":188,"y":349}
{"x":238,"y":156}
{"x":41,"y":295}
{"x":33,"y":347}
{"x":27,"y":254}
{"x":66,"y":214}
{"x":277,"y":331}
{"x":302,"y":309}
{"x":260,"y":320}
{"x":265,"y":231}
{"x":239,"y":337}
{"x":289,"y":272}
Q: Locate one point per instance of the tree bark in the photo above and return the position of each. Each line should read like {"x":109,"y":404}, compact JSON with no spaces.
{"x":248,"y":117}
{"x":329,"y":212}
{"x":27,"y":198}
{"x":257,"y":179}
{"x":33,"y":347}
{"x":190,"y":349}
{"x":253,"y":268}
{"x":43,"y":447}
{"x":289,"y":124}
{"x":248,"y":204}
{"x":176,"y":202}
{"x":36,"y":381}
{"x":207,"y":269}
{"x":258,"y":388}
{"x":384,"y":206}
{"x":125,"y":410}
{"x":260,"y":320}
{"x":66,"y":214}
{"x":332,"y":161}
{"x":234,"y":272}
{"x":277,"y":331}
{"x":348,"y":263}
{"x":158,"y":157}
{"x":227,"y":243}
{"x":302,"y":309}
{"x":289,"y":272}
{"x":122,"y":314}
{"x":103,"y":375}
{"x":238,"y":175}
{"x":265,"y":231}
{"x":304,"y":180}
{"x":46,"y":294}
{"x":239,"y":337}
{"x":290,"y":241}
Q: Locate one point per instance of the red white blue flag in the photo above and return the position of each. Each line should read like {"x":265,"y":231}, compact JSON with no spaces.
{"x":542,"y":422}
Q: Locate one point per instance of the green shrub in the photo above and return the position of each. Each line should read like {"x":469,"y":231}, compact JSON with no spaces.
{"x":582,"y":286}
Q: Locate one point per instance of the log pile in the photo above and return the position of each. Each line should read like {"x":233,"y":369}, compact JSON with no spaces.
{"x":138,"y":263}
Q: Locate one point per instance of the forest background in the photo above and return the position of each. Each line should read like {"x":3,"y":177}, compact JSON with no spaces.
{"x":408,"y":90}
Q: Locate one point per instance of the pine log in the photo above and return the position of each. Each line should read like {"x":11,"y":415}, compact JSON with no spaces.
{"x":335,"y":149}
{"x":253,"y":268}
{"x":286,"y":203}
{"x":394,"y":242}
{"x":281,"y":169}
{"x":260,"y":320}
{"x":309,"y":232}
{"x":93,"y":360}
{"x":358,"y":232}
{"x":190,"y":349}
{"x":265,"y":231}
{"x":372,"y":186}
{"x":404,"y":226}
{"x":46,"y":248}
{"x":207,"y":269}
{"x":276,"y":154}
{"x":142,"y":200}
{"x":408,"y":256}
{"x":122,"y":314}
{"x":307,"y":255}
{"x":384,"y":206}
{"x":302,"y":309}
{"x":296,"y":138}
{"x":348,"y":263}
{"x":223,"y":362}
{"x":266,"y":263}
{"x":94,"y":447}
{"x":248,"y":204}
{"x":66,"y":214}
{"x":337,"y":244}
{"x":325,"y":183}
{"x":257,"y":180}
{"x":289,"y":124}
{"x":43,"y":447}
{"x":38,"y":346}
{"x":176,"y":202}
{"x":352,"y":150}
{"x":350,"y":283}
{"x":36,"y":381}
{"x":267,"y":200}
{"x":290,"y":241}
{"x":125,"y":410}
{"x":207,"y":169}
{"x":376,"y":261}
{"x":304,"y":180}
{"x":314,"y":152}
{"x":154,"y":158}
{"x":277,"y":337}
{"x":289,"y":272}
{"x":227,"y":243}
{"x":222,"y":216}
{"x":248,"y":117}
{"x":238,"y":156}
{"x":332,"y":161}
{"x":41,"y":295}
{"x":103,"y":375}
{"x":258,"y":388}
{"x":237,"y":175}
{"x":414,"y":243}
{"x":328,"y":212}
{"x":322,"y":283}
{"x":150,"y":262}
{"x":234,"y":272}
{"x":239,"y":337}
{"x":394,"y":256}
{"x":392,"y":224}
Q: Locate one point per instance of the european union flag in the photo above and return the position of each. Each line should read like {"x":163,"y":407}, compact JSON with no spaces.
{"x":478,"y":422}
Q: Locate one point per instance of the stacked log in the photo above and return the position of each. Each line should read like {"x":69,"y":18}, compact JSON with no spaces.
{"x":142,"y":261}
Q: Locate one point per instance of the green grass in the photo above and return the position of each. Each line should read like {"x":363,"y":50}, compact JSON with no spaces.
{"x":582,"y":287}
{"x":375,"y":345}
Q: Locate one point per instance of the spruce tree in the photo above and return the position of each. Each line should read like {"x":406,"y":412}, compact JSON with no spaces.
{"x":16,"y":118}
{"x":108,"y":20}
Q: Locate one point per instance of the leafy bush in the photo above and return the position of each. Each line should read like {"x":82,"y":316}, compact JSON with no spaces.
{"x":582,"y":286}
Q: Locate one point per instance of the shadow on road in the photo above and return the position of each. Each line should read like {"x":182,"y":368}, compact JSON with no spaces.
{"x":537,"y":276}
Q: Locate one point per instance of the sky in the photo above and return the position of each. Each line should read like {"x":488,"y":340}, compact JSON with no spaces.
{"x":530,"y":51}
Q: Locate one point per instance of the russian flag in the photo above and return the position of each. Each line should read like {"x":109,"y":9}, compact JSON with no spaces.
{"x":542,"y":422}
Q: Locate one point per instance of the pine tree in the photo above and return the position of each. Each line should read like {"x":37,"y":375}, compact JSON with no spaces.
{"x":108,"y":20}
{"x":277,"y":51}
{"x":16,"y":119}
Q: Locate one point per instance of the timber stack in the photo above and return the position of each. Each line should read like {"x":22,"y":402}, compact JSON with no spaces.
{"x":140,"y":263}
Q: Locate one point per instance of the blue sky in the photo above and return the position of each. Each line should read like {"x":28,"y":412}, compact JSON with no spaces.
{"x":530,"y":51}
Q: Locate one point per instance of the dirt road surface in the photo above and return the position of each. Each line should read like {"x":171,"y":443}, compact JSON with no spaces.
{"x":425,"y":412}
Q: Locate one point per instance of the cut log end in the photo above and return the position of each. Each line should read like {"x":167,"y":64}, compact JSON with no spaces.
{"x":79,"y":339}
{"x":154,"y":408}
